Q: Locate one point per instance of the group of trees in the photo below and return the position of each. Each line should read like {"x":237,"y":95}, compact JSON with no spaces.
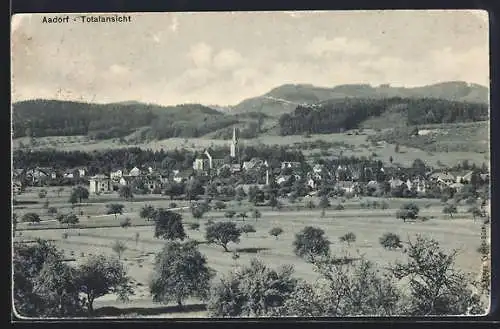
{"x":349,"y":287}
{"x":338,"y":115}
{"x":46,"y":286}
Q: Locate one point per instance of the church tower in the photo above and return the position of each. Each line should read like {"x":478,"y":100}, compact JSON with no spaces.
{"x":234,"y":145}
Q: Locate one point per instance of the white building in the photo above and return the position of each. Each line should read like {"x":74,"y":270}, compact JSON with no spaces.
{"x":99,"y":184}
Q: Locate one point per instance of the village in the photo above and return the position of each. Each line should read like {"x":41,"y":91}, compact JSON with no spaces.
{"x":353,"y":179}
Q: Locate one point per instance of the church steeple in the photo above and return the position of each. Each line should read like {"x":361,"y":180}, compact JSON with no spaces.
{"x":234,"y":144}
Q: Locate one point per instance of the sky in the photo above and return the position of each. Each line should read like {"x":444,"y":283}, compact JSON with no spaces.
{"x":224,"y":58}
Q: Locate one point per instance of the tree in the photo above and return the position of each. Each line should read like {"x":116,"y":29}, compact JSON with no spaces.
{"x":194,"y":226}
{"x":450,"y":209}
{"x":436,"y":288}
{"x":56,"y":284}
{"x":42,"y":194}
{"x":69,"y":219}
{"x":119,"y":247}
{"x":324,"y":203}
{"x":126,"y":222}
{"x":273,"y":201}
{"x":180,"y":271}
{"x":59,"y":191}
{"x":81,"y":193}
{"x":198,"y":209}
{"x":476,"y":212}
{"x":14,"y":222}
{"x":348,"y":237}
{"x":211,"y":190}
{"x":252,"y":194}
{"x":125,"y":192}
{"x":408,"y":211}
{"x":256,"y":214}
{"x":28,"y":261}
{"x":229,"y":214}
{"x":52,"y":211}
{"x":73,"y":199}
{"x":390,"y":241}
{"x":243,"y":215}
{"x":247,"y":228}
{"x":253,"y":291}
{"x":115,"y":209}
{"x":148,"y":212}
{"x":346,"y":290}
{"x":136,"y":237}
{"x":222,"y":233}
{"x":99,"y":276}
{"x":276,"y":231}
{"x":31,"y":217}
{"x":219,"y":205}
{"x":311,"y":243}
{"x":310,"y":204}
{"x":391,"y":159}
{"x":168,"y":225}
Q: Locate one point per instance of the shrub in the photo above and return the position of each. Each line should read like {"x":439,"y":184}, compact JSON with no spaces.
{"x":276,"y":231}
{"x":390,"y":241}
{"x":194,"y":226}
{"x":173,"y":205}
{"x":248,"y":229}
{"x":64,"y":235}
{"x":348,"y":237}
{"x":126,"y":222}
{"x":339,"y":207}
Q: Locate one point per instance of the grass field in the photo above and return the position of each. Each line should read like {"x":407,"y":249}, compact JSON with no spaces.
{"x":93,"y":237}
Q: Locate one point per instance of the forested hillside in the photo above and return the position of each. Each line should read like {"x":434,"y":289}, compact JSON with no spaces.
{"x":285,"y":98}
{"x":339,"y":115}
{"x":39,"y":118}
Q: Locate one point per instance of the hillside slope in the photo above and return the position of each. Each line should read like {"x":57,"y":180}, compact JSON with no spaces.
{"x":284,"y":99}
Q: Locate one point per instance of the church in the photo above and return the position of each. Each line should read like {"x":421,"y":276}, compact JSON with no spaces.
{"x":207,"y":164}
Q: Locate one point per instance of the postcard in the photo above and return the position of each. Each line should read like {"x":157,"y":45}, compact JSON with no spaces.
{"x":250,"y":164}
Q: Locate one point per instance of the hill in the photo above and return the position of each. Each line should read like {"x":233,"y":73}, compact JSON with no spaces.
{"x":335,"y":116}
{"x":39,"y":118}
{"x":285,"y":98}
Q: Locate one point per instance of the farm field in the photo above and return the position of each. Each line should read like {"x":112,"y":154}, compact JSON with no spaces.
{"x":367,"y":224}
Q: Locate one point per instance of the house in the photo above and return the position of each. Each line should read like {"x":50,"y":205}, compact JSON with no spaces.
{"x":283,"y":179}
{"x":457,"y":186}
{"x":69,"y":174}
{"x":16,"y":173}
{"x":318,"y":168}
{"x":313,"y":183}
{"x":206,"y":162}
{"x":464,"y":178}
{"x":290,"y":164}
{"x":180,"y":177}
{"x":254,"y":163}
{"x":395,"y":183}
{"x":443,"y":178}
{"x":235,"y":167}
{"x":135,"y":172}
{"x":347,"y":186}
{"x":99,"y":183}
{"x":16,"y":186}
{"x":125,"y":180}
{"x":115,"y":175}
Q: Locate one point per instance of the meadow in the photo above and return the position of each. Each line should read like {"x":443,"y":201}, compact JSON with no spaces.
{"x":97,"y":232}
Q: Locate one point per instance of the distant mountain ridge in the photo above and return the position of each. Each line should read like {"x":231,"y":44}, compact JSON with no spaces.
{"x":285,"y":98}
{"x":42,"y":117}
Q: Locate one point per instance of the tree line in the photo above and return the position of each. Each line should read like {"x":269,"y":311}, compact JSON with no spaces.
{"x":339,"y":115}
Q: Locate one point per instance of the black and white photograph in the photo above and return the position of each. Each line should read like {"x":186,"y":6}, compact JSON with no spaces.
{"x":272,"y":164}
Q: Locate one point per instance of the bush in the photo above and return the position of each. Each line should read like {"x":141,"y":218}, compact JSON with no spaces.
{"x":64,"y":235}
{"x":339,"y":207}
{"x":248,"y":229}
{"x":194,"y":226}
{"x":390,"y":241}
{"x":126,"y":222}
{"x":173,"y":205}
{"x":348,"y":237}
{"x":276,"y":231}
